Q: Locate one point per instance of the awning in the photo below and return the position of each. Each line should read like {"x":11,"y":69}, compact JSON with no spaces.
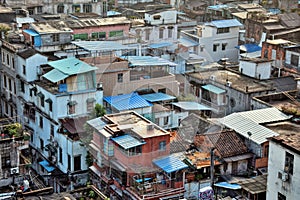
{"x":127,"y":141}
{"x":228,"y":185}
{"x":41,"y":95}
{"x":160,"y":45}
{"x":213,"y":89}
{"x":72,"y":103}
{"x":188,"y":43}
{"x":190,"y":105}
{"x":55,"y":76}
{"x":170,"y":164}
{"x":239,"y":157}
{"x":45,"y":164}
{"x":154,"y":97}
{"x":249,"y":48}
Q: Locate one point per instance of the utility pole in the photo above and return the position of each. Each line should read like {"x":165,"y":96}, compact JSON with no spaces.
{"x":212,"y":166}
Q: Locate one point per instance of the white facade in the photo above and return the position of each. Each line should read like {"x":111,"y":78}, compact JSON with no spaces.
{"x":169,"y":119}
{"x":259,"y":70}
{"x":279,"y":182}
{"x":296,"y":58}
{"x":213,"y":43}
{"x":164,"y":17}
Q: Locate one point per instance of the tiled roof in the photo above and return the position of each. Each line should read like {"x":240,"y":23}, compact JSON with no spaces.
{"x":27,"y":53}
{"x":227,"y":143}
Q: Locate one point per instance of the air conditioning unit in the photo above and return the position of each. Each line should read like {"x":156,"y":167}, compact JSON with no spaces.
{"x":14,"y":170}
{"x":26,"y":120}
{"x":228,"y":84}
{"x":213,"y":77}
{"x":285,"y":176}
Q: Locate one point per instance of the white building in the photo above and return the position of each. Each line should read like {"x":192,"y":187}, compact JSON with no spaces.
{"x":283,"y":171}
{"x":55,"y":100}
{"x":258,"y":68}
{"x":214,"y":40}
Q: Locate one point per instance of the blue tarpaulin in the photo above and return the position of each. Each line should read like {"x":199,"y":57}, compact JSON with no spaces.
{"x":228,"y":185}
{"x":47,"y":166}
{"x":170,"y":164}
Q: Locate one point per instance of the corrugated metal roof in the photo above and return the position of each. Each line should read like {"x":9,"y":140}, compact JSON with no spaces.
{"x":31,"y":32}
{"x":147,"y":61}
{"x":71,"y":66}
{"x":188,"y":43}
{"x":23,"y":20}
{"x":255,"y":54}
{"x":127,"y":141}
{"x":127,"y":101}
{"x":96,"y":123}
{"x":100,"y":46}
{"x":244,"y":125}
{"x":190,"y":105}
{"x":249,"y":47}
{"x":112,"y":13}
{"x":55,"y":76}
{"x":265,"y":115}
{"x":160,"y":45}
{"x":46,"y":166}
{"x":225,"y":23}
{"x":232,"y":186}
{"x":213,"y":89}
{"x":217,"y":7}
{"x":154,"y":97}
{"x":170,"y":164}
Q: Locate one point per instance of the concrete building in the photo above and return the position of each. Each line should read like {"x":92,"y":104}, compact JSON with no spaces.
{"x":216,"y":39}
{"x":127,"y":149}
{"x":283,"y":163}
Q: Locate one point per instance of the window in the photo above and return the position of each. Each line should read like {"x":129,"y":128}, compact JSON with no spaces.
{"x":147,"y":33}
{"x":52,"y":130}
{"x":3,"y":57}
{"x":60,"y":8}
{"x":7,"y":59}
{"x":60,"y":155}
{"x":224,"y":46}
{"x":120,"y":78}
{"x":161,"y":33}
{"x":41,"y":122}
{"x":5,"y":81}
{"x":289,"y":163}
{"x":156,"y":17}
{"x":49,"y":101}
{"x":69,"y":162}
{"x":76,"y":8}
{"x":104,"y":7}
{"x":215,"y":47}
{"x":55,"y":37}
{"x":135,"y":151}
{"x":77,"y":163}
{"x":99,"y":35}
{"x":295,"y":60}
{"x":87,"y":8}
{"x":13,"y":63}
{"x":90,"y":104}
{"x":9,"y":85}
{"x":281,"y":196}
{"x":166,"y":120}
{"x":42,"y":144}
{"x":83,"y":36}
{"x":22,"y":86}
{"x":222,"y":30}
{"x":39,"y":9}
{"x":24,"y":69}
{"x":170,"y":31}
{"x":157,"y":121}
{"x":266,"y":151}
{"x":42,"y":98}
{"x":72,"y":105}
{"x":162,"y":90}
{"x":162,"y":146}
{"x":116,"y":33}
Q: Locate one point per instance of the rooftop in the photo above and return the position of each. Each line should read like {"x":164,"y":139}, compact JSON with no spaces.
{"x":238,"y":81}
{"x":254,"y":185}
{"x":136,"y":123}
{"x":45,"y":28}
{"x":224,"y":23}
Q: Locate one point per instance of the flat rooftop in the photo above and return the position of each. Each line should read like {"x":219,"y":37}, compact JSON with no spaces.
{"x":136,"y":123}
{"x":238,"y":81}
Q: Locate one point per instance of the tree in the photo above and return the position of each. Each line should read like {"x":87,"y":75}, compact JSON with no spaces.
{"x":98,"y":111}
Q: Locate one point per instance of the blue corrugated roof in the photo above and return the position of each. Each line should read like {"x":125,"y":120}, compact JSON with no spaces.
{"x":249,"y":48}
{"x":213,"y":89}
{"x":170,"y":164}
{"x":160,"y":45}
{"x":147,"y":61}
{"x":47,"y":166}
{"x":225,"y":23}
{"x":71,"y":66}
{"x":127,"y":141}
{"x":154,"y":97}
{"x":190,"y":105}
{"x":31,"y":32}
{"x":188,"y":43}
{"x":228,"y":185}
{"x":127,"y":101}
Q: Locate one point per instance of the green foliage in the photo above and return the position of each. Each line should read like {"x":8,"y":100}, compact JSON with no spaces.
{"x":89,"y":159}
{"x":92,"y":194}
{"x":14,"y":130}
{"x":4,"y":28}
{"x":98,"y":111}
